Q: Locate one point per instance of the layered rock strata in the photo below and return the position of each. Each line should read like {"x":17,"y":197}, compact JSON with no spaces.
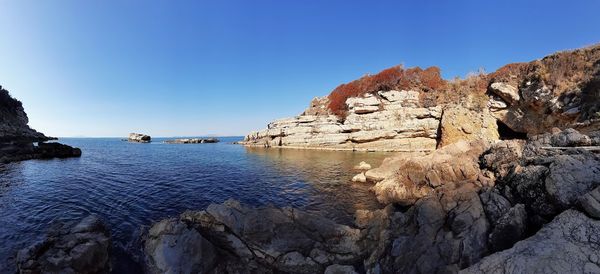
{"x":20,"y":142}
{"x":387,"y":121}
{"x":560,"y":90}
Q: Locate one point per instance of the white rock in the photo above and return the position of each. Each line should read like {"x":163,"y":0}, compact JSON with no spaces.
{"x":507,"y":92}
{"x":360,"y":178}
{"x":363,"y":165}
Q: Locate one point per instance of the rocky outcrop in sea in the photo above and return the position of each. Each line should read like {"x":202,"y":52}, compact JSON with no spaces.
{"x":139,"y":138}
{"x":20,"y":142}
{"x":193,"y":141}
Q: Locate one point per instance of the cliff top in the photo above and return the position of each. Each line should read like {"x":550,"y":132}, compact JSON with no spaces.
{"x":563,"y":73}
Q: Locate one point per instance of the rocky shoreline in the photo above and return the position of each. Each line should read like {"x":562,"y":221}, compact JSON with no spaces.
{"x":19,"y":142}
{"x":496,"y":200}
{"x":503,"y":177}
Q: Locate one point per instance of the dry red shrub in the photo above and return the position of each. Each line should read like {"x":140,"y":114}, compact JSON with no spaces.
{"x":392,"y":78}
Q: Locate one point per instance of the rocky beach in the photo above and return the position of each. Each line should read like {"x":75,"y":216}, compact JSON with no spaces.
{"x":494,"y":173}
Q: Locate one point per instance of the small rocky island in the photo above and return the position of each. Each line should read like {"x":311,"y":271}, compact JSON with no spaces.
{"x":139,"y":138}
{"x":502,"y":175}
{"x":193,"y":141}
{"x":20,"y":142}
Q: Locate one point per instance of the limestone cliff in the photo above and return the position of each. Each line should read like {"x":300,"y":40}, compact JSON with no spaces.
{"x":416,"y":110}
{"x":389,"y":120}
{"x":20,"y":142}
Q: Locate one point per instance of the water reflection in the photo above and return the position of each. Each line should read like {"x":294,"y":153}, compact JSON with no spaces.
{"x":327,"y":172}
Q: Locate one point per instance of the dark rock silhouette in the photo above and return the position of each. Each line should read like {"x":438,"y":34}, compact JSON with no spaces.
{"x":20,"y":142}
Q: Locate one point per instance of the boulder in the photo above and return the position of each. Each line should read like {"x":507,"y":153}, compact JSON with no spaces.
{"x":590,"y":202}
{"x":412,"y":178}
{"x":363,"y":166}
{"x":507,"y":92}
{"x":173,"y":247}
{"x":360,"y":178}
{"x":570,"y":138}
{"x":83,"y":247}
{"x":509,"y":229}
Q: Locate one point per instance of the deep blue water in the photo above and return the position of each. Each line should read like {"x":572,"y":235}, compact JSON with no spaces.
{"x":132,"y":185}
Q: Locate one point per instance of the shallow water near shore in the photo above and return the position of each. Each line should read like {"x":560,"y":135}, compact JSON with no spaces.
{"x":130,"y":186}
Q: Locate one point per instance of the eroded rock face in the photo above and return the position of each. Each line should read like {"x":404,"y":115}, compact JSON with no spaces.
{"x":568,"y":244}
{"x":461,"y":124}
{"x":80,"y":248}
{"x":407,"y":179}
{"x":173,"y":247}
{"x":20,"y":142}
{"x":251,"y":239}
{"x":559,"y":90}
{"x":389,"y":121}
{"x":546,"y":180}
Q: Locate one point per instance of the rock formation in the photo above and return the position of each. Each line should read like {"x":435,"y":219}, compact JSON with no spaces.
{"x":467,"y":207}
{"x":139,"y":138}
{"x":193,"y":141}
{"x":503,"y":177}
{"x":18,"y":141}
{"x":83,"y":247}
{"x":231,"y":238}
{"x":387,"y":121}
{"x":415,"y":110}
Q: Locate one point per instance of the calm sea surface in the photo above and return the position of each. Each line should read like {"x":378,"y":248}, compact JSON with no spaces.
{"x":131,"y":185}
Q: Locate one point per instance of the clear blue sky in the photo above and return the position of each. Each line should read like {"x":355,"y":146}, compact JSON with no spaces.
{"x":169,"y":68}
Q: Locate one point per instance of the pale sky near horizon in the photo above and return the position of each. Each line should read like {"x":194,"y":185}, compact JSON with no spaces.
{"x":191,"y":68}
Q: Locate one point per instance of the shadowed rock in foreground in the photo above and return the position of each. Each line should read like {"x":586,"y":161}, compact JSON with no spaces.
{"x":83,"y":247}
{"x":569,"y":244}
{"x":231,"y":238}
{"x":20,"y":142}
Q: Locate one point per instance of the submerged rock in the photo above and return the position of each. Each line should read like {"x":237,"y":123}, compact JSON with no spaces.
{"x":83,"y":247}
{"x":139,"y":138}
